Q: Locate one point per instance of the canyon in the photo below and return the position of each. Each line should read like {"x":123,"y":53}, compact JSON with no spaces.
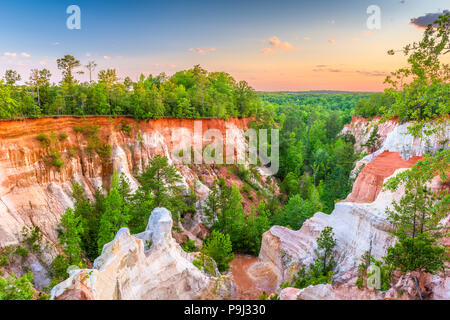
{"x":35,"y":193}
{"x":359,"y":222}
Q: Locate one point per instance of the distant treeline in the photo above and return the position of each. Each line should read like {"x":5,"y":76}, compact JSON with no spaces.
{"x":194,"y":93}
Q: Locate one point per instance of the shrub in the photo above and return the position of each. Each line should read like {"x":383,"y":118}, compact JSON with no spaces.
{"x":43,"y":139}
{"x":62,"y":136}
{"x":219,"y":247}
{"x":189,"y":246}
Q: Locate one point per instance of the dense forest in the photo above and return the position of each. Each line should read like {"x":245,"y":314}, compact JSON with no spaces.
{"x":193,"y":93}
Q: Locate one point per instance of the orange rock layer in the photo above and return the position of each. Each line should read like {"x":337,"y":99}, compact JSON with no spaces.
{"x":371,"y":178}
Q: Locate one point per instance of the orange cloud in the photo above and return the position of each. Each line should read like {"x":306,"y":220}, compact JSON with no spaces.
{"x":331,"y":42}
{"x":202,"y":50}
{"x":268,"y":51}
{"x":275,"y":42}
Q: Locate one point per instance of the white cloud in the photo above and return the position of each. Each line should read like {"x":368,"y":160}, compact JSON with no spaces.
{"x":10,"y":54}
{"x":88,"y":54}
{"x":25,"y":55}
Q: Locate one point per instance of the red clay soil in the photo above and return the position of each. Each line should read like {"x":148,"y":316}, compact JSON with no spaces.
{"x":249,"y":288}
{"x":369,"y":182}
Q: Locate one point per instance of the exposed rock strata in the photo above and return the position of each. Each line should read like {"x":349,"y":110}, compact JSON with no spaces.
{"x":126,"y":270}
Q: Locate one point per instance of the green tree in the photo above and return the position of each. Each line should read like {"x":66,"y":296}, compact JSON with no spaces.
{"x":218,"y":246}
{"x":71,"y":235}
{"x":13,"y":288}
{"x":115,"y":216}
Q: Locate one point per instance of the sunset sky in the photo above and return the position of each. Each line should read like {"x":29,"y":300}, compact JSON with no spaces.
{"x":274,"y":45}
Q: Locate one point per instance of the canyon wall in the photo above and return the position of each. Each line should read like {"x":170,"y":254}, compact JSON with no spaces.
{"x":34,"y":192}
{"x":359,"y":222}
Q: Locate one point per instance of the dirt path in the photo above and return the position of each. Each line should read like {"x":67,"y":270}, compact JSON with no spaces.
{"x":250,"y":284}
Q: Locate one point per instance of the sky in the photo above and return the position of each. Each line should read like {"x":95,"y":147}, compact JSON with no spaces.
{"x":279,"y":45}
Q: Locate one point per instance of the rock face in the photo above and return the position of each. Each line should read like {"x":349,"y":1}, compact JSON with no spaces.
{"x":126,"y":270}
{"x":33,"y":192}
{"x":358,"y":227}
{"x":359,"y":222}
{"x":369,"y":182}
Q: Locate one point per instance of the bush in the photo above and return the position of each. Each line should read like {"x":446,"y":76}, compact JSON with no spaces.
{"x":219,"y":247}
{"x":43,"y":139}
{"x":62,"y":136}
{"x":13,"y":288}
{"x":189,"y":246}
{"x":421,"y":253}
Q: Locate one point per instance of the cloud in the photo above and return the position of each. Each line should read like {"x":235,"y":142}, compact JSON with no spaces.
{"x":88,"y":54}
{"x":43,"y":62}
{"x":332,"y":22}
{"x":355,"y":39}
{"x":268,"y":51}
{"x":202,"y":50}
{"x":55,"y":43}
{"x":427,"y":19}
{"x":367,"y":32}
{"x":10,"y":54}
{"x":372,"y":73}
{"x":331,"y":42}
{"x":306,"y":38}
{"x":25,"y":55}
{"x":276,"y":43}
{"x":106,"y":57}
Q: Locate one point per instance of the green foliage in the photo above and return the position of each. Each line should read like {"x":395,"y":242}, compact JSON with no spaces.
{"x":70,"y":235}
{"x":204,"y":263}
{"x":193,"y":93}
{"x":62,"y":136}
{"x":43,"y":139}
{"x":189,"y":246}
{"x":115,"y":216}
{"x":219,"y":247}
{"x":265,"y":296}
{"x":13,"y":288}
{"x":321,"y":271}
{"x":420,"y":253}
{"x":427,"y":94}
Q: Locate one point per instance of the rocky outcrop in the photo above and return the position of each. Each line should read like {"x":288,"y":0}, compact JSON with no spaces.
{"x":146,"y":266}
{"x":358,"y":227}
{"x":33,"y":192}
{"x":359,"y":222}
{"x":369,"y":182}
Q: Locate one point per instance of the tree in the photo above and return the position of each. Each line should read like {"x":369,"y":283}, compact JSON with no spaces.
{"x":67,"y":64}
{"x":71,"y":235}
{"x":11,"y":77}
{"x":114,"y":217}
{"x":218,"y":246}
{"x":421,"y":253}
{"x":426,"y":95}
{"x":38,"y":79}
{"x":13,"y":288}
{"x":321,"y":271}
{"x":417,"y":217}
{"x":91,"y":67}
{"x":164,"y":182}
{"x":325,"y":246}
